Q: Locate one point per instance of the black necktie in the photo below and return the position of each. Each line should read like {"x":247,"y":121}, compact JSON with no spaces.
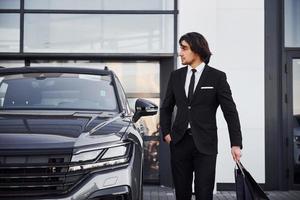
{"x":191,"y":86}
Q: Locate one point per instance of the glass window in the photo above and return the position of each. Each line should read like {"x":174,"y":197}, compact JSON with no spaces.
{"x":122,"y":96}
{"x":151,"y":160}
{"x":9,"y":4}
{"x":135,"y":77}
{"x":9,"y":32}
{"x":57,"y":91}
{"x":296,"y":119}
{"x":296,"y":86}
{"x":292,"y":23}
{"x":70,"y":33}
{"x":100,"y":4}
{"x":139,"y":77}
{"x":12,"y":63}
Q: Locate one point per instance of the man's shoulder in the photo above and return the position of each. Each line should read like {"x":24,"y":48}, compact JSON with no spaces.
{"x":209,"y":68}
{"x":178,"y":72}
{"x":215,"y":71}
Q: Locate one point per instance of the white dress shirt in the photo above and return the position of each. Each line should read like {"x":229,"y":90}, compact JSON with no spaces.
{"x":189,"y":74}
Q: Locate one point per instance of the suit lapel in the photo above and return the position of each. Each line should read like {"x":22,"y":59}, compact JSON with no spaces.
{"x":202,"y":79}
{"x":182,"y":82}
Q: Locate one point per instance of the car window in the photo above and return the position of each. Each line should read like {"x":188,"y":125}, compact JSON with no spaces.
{"x":57,"y":91}
{"x":122,"y":95}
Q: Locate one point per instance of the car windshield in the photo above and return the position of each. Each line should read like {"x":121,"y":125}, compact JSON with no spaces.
{"x":63,"y":91}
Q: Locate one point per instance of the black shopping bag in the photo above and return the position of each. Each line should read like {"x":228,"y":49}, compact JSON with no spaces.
{"x":246,"y":186}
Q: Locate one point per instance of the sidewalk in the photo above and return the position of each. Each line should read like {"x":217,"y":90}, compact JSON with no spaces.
{"x":155,"y":192}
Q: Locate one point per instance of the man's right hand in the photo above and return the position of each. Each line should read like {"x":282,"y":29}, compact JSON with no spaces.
{"x":168,"y":138}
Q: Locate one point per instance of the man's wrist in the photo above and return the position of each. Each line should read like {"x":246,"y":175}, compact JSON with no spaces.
{"x":236,"y":146}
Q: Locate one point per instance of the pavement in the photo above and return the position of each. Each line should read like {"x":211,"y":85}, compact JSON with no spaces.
{"x":156,"y":192}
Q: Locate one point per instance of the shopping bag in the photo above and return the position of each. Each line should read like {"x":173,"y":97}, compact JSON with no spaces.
{"x":246,"y":186}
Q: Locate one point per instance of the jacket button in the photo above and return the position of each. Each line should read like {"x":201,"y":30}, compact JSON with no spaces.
{"x":189,"y":107}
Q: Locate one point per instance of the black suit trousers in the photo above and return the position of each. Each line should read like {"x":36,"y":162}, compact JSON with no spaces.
{"x":186,"y":159}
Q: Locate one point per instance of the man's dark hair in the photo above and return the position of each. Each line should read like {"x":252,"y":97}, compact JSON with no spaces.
{"x":198,"y":45}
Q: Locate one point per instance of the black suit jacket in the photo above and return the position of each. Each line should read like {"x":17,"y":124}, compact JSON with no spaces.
{"x":211,"y":91}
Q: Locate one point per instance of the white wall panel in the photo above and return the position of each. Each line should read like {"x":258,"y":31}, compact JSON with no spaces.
{"x":235,"y":32}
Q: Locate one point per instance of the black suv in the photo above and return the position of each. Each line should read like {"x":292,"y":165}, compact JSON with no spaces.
{"x":68,"y":133}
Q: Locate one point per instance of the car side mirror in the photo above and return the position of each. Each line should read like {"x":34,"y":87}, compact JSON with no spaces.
{"x":144,"y":107}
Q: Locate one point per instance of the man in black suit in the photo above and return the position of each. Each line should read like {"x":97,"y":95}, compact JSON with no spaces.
{"x":197,"y":90}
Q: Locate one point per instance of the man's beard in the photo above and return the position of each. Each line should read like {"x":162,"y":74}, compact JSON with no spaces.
{"x":184,"y":62}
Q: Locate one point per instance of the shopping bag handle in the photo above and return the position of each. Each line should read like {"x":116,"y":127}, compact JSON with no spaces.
{"x":241,"y":167}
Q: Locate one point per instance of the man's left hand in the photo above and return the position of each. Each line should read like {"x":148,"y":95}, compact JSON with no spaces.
{"x":236,"y":153}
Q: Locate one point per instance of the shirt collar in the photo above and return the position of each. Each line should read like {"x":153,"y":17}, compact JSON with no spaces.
{"x":199,"y":68}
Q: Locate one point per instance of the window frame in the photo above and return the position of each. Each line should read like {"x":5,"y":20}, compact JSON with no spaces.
{"x":23,"y":55}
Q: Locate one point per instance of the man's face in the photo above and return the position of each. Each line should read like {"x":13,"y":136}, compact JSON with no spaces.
{"x":188,"y":57}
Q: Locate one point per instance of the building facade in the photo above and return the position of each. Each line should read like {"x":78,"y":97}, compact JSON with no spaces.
{"x":257,"y":43}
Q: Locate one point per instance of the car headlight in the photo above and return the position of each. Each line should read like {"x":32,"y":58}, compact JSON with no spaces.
{"x":108,"y":156}
{"x":115,"y":152}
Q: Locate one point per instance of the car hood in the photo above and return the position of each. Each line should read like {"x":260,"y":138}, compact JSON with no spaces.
{"x":59,"y":131}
